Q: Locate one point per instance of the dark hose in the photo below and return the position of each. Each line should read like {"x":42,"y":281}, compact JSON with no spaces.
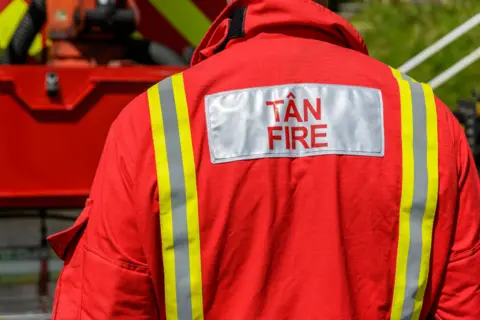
{"x":29,"y":26}
{"x":152,"y":53}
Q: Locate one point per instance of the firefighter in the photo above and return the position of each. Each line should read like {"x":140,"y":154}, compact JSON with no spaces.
{"x":285,"y":175}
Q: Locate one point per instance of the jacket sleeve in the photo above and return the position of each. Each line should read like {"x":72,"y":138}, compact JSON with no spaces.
{"x":460,"y":294}
{"x":105,"y":273}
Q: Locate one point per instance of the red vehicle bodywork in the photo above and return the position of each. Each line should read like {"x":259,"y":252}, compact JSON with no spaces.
{"x":50,"y":147}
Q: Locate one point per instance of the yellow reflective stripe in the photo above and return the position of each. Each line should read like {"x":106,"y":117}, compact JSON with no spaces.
{"x":10,"y":17}
{"x":191,"y":196}
{"x":406,"y":197}
{"x":165,"y":202}
{"x":432,"y":196}
{"x":419,"y":196}
{"x":185,"y":17}
{"x":177,"y":186}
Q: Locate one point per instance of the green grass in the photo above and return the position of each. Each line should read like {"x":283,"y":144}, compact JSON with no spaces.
{"x":396,"y":32}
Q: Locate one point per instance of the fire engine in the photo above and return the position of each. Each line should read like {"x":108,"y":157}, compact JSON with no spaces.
{"x":67,"y":69}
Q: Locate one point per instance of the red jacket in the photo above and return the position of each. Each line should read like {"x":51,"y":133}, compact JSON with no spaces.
{"x":298,"y":178}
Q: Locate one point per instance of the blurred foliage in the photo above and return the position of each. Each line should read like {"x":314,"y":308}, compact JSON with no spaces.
{"x":395,"y":32}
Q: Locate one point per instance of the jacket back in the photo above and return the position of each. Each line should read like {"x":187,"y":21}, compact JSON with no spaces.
{"x":320,"y":188}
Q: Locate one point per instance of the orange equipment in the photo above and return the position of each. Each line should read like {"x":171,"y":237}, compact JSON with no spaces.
{"x":85,"y":32}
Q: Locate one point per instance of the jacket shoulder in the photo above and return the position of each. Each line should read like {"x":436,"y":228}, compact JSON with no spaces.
{"x":132,"y":128}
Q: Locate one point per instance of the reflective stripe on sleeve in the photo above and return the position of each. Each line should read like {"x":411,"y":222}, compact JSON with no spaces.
{"x":177,"y":188}
{"x":419,"y":196}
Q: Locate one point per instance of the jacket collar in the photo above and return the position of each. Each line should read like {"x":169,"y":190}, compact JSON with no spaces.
{"x":243,"y":19}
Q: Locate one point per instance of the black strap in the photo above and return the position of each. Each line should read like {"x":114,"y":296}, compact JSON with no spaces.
{"x":236,"y":27}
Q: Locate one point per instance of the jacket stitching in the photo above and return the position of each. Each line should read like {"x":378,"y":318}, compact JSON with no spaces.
{"x":122,"y":264}
{"x":465,"y":254}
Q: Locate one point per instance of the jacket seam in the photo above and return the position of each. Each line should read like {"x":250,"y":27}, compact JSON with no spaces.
{"x":140,"y":268}
{"x":465,"y":254}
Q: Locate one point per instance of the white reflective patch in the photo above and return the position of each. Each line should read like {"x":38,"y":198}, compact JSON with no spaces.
{"x":296,"y":120}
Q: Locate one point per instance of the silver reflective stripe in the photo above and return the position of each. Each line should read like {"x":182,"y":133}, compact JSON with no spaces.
{"x":419,"y":196}
{"x":295,"y":120}
{"x":178,"y":196}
